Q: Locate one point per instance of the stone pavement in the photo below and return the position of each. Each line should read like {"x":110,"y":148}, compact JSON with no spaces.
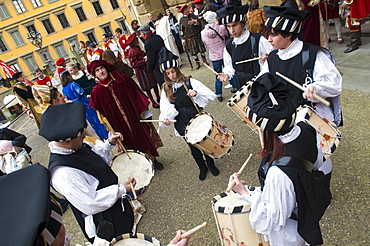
{"x":176,"y":199}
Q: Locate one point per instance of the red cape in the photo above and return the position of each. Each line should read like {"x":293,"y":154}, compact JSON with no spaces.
{"x":132,"y":102}
{"x":360,"y":9}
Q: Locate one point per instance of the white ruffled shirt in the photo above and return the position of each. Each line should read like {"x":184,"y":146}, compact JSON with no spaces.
{"x":168,"y":110}
{"x":264,"y":47}
{"x":79,"y":188}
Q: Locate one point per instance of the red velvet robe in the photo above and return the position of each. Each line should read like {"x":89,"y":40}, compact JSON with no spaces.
{"x":360,"y":9}
{"x":122,"y":102}
{"x":311,"y":25}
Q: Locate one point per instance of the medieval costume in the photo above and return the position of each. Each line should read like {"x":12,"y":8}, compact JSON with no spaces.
{"x":330,"y":11}
{"x":84,"y":81}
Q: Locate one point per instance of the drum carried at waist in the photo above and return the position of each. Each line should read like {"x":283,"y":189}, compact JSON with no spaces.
{"x":138,"y":239}
{"x":139,"y":167}
{"x":206,"y":134}
{"x":232,"y":220}
{"x":329,"y":134}
{"x":238,"y":104}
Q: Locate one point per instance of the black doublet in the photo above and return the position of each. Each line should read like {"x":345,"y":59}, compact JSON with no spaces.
{"x":185,"y":107}
{"x":86,"y":160}
{"x":312,"y":198}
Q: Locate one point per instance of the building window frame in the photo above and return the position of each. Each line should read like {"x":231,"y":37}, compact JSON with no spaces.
{"x":4,"y":13}
{"x":114,"y":4}
{"x":75,"y":41}
{"x":14,"y":64}
{"x":36,"y":3}
{"x":3,"y":47}
{"x":48,"y":26}
{"x":62,"y":19}
{"x":97,"y":7}
{"x":16,"y":36}
{"x":30,"y":62}
{"x":106,"y":28}
{"x":80,"y":13}
{"x":60,"y":50}
{"x":19,"y":6}
{"x":91,"y":36}
{"x":122,"y":23}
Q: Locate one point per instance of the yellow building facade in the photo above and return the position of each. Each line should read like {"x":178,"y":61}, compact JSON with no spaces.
{"x":60,"y":23}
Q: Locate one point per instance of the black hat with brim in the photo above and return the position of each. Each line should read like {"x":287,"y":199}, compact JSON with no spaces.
{"x":63,"y":122}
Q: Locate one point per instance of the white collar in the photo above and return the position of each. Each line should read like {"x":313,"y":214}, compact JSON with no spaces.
{"x":290,"y":136}
{"x":78,"y":75}
{"x":294,"y":48}
{"x":42,"y":77}
{"x":244,"y":37}
{"x":176,"y":86}
{"x":60,"y":150}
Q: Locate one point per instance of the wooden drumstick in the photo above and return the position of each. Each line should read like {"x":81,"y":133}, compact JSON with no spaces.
{"x":156,"y":120}
{"x":110,"y":128}
{"x":132,"y":189}
{"x":192,"y":231}
{"x":213,"y":71}
{"x":249,"y":60}
{"x":231,"y":185}
{"x":325,"y":102}
{"x":187,"y":91}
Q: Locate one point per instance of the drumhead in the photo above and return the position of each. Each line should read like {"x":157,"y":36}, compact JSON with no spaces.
{"x":198,"y":128}
{"x":139,"y":167}
{"x":225,"y":202}
{"x":138,"y":239}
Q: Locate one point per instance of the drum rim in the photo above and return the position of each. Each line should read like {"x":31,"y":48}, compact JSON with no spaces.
{"x":138,"y":236}
{"x":189,"y":123}
{"x":237,"y":209}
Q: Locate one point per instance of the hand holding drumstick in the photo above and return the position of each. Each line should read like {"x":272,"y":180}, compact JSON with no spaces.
{"x":128,"y":183}
{"x":239,"y":184}
{"x":113,"y":139}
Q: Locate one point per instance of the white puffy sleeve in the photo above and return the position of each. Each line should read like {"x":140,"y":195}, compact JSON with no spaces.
{"x":228,"y":64}
{"x":168,"y":110}
{"x":264,"y":48}
{"x":204,"y":94}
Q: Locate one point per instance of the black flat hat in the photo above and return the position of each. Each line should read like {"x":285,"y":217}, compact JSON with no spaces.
{"x":232,"y":13}
{"x":63,"y":122}
{"x":167,"y":59}
{"x":285,"y":18}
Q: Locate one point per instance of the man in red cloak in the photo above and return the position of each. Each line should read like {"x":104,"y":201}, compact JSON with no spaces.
{"x":118,"y":98}
{"x":359,"y":9}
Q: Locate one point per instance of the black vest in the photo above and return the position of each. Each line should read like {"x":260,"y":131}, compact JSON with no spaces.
{"x":247,"y":50}
{"x":295,"y":69}
{"x":86,"y":160}
{"x":185,"y":107}
{"x":311,"y":196}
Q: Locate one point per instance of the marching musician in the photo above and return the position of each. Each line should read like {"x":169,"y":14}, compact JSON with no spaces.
{"x":176,"y":103}
{"x":310,"y":66}
{"x":242,"y":46}
{"x":288,"y":207}
{"x":80,"y":172}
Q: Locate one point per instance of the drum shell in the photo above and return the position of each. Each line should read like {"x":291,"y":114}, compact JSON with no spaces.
{"x":329,"y":135}
{"x":233,"y":221}
{"x":238,"y":104}
{"x":138,"y":239}
{"x":139,"y":167}
{"x":217,"y":143}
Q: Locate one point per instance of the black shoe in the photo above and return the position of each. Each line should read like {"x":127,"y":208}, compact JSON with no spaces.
{"x":203,"y":173}
{"x":158,"y":165}
{"x":233,"y":90}
{"x":214,"y":170}
{"x":220,"y":99}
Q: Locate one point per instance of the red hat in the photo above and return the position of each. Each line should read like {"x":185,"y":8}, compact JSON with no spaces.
{"x":94,"y":64}
{"x":60,"y":61}
{"x":131,"y":38}
{"x":183,"y":7}
{"x":197,"y":2}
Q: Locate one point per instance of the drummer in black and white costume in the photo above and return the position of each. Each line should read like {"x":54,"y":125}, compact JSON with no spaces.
{"x":288,"y":207}
{"x":80,"y":172}
{"x":323,"y":78}
{"x":242,"y":46}
{"x":176,"y":104}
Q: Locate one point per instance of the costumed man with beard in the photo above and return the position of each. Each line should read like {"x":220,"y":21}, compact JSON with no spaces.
{"x":309,"y":65}
{"x":291,"y":201}
{"x":190,"y":28}
{"x":80,"y":172}
{"x":242,"y":46}
{"x":153,"y":44}
{"x":118,"y":98}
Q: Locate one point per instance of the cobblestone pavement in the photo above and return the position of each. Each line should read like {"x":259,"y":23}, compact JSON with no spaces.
{"x":176,"y":199}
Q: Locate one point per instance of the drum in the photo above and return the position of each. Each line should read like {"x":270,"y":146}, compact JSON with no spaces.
{"x":238,"y":104}
{"x":138,"y":239}
{"x":139,"y":167}
{"x":232,"y":220}
{"x":328,"y":132}
{"x":206,"y":134}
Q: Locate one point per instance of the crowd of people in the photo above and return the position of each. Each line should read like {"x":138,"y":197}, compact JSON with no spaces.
{"x":105,"y":105}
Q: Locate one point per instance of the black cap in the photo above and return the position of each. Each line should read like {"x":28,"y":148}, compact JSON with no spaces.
{"x":167,"y":59}
{"x":285,"y":18}
{"x":25,"y":205}
{"x":63,"y":122}
{"x":269,"y":104}
{"x":232,"y":13}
